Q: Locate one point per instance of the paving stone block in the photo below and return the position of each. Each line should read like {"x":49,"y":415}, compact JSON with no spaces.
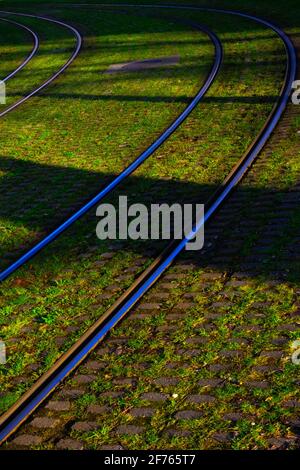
{"x":177,"y":432}
{"x":257,"y":384}
{"x":188,"y":414}
{"x":71,"y":392}
{"x":85,"y":426}
{"x":84,"y":378}
{"x":142,"y":412}
{"x":112,"y":447}
{"x":198,"y":399}
{"x":97,"y":409}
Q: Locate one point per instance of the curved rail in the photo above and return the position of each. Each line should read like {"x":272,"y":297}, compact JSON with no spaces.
{"x":60,"y":71}
{"x":45,"y":385}
{"x":30,"y":55}
{"x":132,"y":167}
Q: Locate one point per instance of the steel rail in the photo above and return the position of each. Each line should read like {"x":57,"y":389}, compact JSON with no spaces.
{"x":59,"y":72}
{"x":132,"y":167}
{"x":70,"y":360}
{"x":30,"y":55}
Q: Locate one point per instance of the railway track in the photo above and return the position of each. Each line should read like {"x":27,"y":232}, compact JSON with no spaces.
{"x":130,"y":169}
{"x":55,"y":75}
{"x":31,"y":400}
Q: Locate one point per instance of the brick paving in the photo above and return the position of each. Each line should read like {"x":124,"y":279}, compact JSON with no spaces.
{"x":58,"y":416}
{"x":205,"y":292}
